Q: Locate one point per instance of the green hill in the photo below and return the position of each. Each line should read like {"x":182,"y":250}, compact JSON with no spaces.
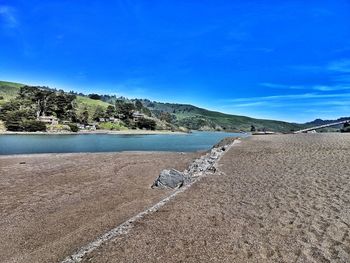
{"x":85,"y":103}
{"x":188,"y":116}
{"x":9,"y":90}
{"x":197,"y":118}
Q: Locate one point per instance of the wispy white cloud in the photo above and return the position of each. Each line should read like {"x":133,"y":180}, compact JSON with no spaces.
{"x":336,"y":66}
{"x":334,"y":87}
{"x":303,"y":96}
{"x":342,"y":66}
{"x":291,"y":107}
{"x":8,"y":17}
{"x":281,"y":86}
{"x":331,"y":87}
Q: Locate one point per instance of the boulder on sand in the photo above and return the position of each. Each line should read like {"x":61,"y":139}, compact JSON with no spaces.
{"x":205,"y":164}
{"x":170,"y":179}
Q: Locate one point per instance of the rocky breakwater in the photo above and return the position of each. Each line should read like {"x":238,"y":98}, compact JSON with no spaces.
{"x":173,"y":179}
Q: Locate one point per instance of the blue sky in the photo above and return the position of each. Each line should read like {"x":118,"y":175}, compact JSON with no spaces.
{"x":286,"y":60}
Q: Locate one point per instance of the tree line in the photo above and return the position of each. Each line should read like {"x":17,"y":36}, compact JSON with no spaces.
{"x":31,"y":103}
{"x":23,"y":113}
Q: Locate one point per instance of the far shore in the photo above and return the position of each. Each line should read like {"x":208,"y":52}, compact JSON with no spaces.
{"x":123,"y":132}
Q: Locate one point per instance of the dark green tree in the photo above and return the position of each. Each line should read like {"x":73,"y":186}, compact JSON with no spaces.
{"x":95,"y":96}
{"x":118,"y":105}
{"x":73,"y":127}
{"x":64,"y":104}
{"x":346,"y":127}
{"x":138,"y":105}
{"x":110,"y":111}
{"x":33,"y":126}
{"x":83,"y":117}
{"x":46,"y":102}
{"x":99,"y":113}
{"x":12,"y":105}
{"x":15,"y":120}
{"x":144,"y":123}
{"x":127,"y":110}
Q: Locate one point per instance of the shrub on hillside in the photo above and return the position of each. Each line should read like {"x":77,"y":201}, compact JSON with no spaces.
{"x":73,"y":127}
{"x":346,"y":127}
{"x":148,"y":124}
{"x":33,"y":126}
{"x":94,"y":96}
{"x":14,"y":120}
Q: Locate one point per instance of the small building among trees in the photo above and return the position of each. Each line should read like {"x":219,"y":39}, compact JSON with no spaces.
{"x":137,"y":115}
{"x":51,"y":120}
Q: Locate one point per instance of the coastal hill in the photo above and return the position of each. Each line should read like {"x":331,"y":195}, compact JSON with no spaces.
{"x":9,"y":90}
{"x":197,"y":118}
{"x":179,"y":115}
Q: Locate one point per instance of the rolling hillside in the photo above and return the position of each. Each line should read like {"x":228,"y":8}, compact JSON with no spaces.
{"x":197,"y":118}
{"x":9,"y":90}
{"x":188,"y":116}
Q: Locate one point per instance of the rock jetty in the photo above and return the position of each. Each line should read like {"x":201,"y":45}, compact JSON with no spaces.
{"x":171,"y":178}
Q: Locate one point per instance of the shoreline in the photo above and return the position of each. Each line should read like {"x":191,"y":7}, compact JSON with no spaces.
{"x":80,"y":154}
{"x":125,"y":132}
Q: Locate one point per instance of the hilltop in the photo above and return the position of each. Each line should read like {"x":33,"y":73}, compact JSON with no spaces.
{"x":185,"y":115}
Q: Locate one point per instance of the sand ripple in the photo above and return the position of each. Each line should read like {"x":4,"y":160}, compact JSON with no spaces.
{"x":279,"y":199}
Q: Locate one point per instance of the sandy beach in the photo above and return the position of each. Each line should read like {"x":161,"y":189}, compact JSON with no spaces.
{"x":283,"y":198}
{"x":278,"y":198}
{"x":52,"y":204}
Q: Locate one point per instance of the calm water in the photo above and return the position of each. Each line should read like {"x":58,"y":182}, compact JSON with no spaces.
{"x":24,"y":144}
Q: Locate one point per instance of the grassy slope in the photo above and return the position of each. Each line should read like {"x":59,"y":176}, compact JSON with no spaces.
{"x":189,"y":113}
{"x":8,"y":90}
{"x":11,"y":84}
{"x":84,"y":103}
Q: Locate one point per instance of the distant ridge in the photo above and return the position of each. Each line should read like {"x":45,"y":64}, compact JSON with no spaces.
{"x":319,"y":122}
{"x":197,"y":118}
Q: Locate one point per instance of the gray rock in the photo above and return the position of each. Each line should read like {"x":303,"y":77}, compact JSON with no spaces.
{"x":205,"y":164}
{"x":170,"y":179}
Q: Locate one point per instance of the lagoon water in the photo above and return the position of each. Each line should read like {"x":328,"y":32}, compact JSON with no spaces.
{"x":27,"y":144}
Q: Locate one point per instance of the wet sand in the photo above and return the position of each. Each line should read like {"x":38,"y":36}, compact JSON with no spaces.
{"x":283,"y":198}
{"x":52,"y":204}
